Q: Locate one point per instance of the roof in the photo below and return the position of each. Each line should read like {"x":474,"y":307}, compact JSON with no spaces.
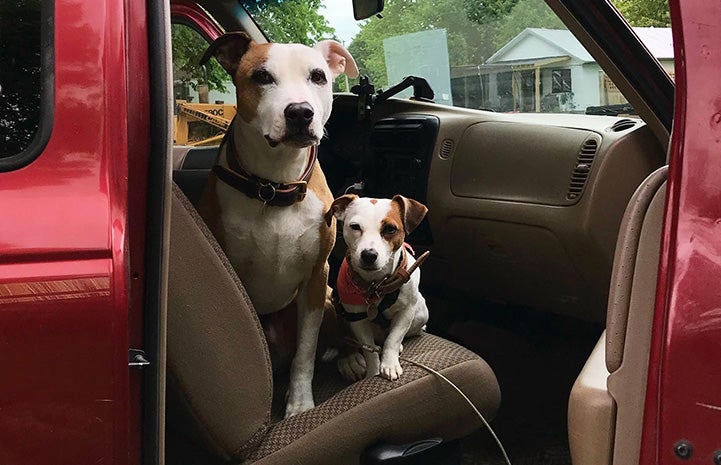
{"x":561,"y":42}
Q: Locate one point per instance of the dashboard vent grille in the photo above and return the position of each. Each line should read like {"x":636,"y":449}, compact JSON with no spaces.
{"x":446,"y":148}
{"x":584,"y":161}
{"x":622,"y":125}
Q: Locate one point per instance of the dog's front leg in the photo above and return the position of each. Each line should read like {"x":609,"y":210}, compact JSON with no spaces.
{"x":300,"y":390}
{"x":363,"y":332}
{"x":390,"y":365}
{"x":311,"y":300}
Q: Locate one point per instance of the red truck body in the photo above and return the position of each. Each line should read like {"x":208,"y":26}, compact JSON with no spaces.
{"x":72,"y":250}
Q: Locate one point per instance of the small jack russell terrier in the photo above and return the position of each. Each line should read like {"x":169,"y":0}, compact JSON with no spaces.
{"x":377,"y":285}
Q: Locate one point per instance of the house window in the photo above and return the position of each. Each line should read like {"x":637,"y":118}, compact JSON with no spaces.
{"x":560,"y":81}
{"x":20,"y":75}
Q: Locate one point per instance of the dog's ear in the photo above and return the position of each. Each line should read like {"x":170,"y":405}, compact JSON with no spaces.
{"x":337,"y":208}
{"x":228,"y":49}
{"x":412,"y":212}
{"x":338,"y":59}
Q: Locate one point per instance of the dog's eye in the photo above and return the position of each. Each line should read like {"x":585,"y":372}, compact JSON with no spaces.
{"x":263,"y":77}
{"x":388,"y":230}
{"x":354,"y":226}
{"x":317,"y":76}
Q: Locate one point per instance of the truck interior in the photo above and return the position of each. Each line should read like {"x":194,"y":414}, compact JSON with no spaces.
{"x":544,"y":231}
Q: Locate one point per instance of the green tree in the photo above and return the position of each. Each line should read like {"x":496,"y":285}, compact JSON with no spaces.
{"x":20,"y":61}
{"x":292,"y":21}
{"x":298,"y":21}
{"x":645,"y":13}
{"x":468,"y":42}
{"x":475,"y":30}
{"x":524,"y":14}
{"x":188,"y":47}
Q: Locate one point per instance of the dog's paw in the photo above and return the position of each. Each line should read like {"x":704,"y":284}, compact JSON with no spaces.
{"x":391,"y":368}
{"x":352,"y":367}
{"x":296,"y":406}
{"x":329,"y":355}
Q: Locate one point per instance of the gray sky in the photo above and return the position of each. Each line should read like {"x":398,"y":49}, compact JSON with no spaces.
{"x":339,"y":14}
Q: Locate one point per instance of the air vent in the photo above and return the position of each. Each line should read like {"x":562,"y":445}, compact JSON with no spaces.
{"x":584,"y":161}
{"x":622,"y":125}
{"x":446,"y":148}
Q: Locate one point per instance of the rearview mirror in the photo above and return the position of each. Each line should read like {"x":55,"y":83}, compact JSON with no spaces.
{"x":363,"y":9}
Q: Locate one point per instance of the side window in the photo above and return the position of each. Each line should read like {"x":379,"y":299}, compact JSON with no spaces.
{"x":204,"y":95}
{"x":20,"y":75}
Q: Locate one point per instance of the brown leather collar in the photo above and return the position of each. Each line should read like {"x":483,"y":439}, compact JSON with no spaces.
{"x":271,"y":193}
{"x":375,"y":290}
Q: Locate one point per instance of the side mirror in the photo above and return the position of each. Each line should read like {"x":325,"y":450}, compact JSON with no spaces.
{"x":363,"y":9}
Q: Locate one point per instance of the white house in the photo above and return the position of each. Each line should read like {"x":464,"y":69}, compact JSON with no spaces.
{"x":547,"y":70}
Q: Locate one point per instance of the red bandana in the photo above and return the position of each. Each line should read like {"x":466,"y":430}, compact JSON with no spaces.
{"x":348,"y":290}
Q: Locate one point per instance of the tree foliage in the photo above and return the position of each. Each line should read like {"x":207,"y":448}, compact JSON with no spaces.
{"x":19,"y":74}
{"x":475,"y":30}
{"x":188,"y":47}
{"x":645,"y":13}
{"x":292,"y":21}
{"x":297,"y":21}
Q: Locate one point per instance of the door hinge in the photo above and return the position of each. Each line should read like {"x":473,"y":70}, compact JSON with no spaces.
{"x":136,"y":359}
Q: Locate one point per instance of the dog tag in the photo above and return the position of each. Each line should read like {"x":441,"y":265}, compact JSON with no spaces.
{"x":372,"y":311}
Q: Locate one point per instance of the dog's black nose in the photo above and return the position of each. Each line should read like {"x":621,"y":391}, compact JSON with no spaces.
{"x":299,"y":114}
{"x":369,"y":256}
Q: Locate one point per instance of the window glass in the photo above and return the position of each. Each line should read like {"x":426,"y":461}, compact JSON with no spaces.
{"x":204,"y":95}
{"x":501,"y":55}
{"x":20,"y":79}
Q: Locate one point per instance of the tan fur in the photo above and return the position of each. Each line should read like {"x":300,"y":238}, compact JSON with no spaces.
{"x":248,"y":93}
{"x":209,"y":210}
{"x":317,"y":290}
{"x":338,"y":205}
{"x":411,"y":211}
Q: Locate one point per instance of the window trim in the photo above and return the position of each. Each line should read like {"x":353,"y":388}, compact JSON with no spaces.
{"x":47,"y":93}
{"x":561,"y":72}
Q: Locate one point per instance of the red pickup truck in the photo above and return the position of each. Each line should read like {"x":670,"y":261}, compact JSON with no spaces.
{"x":579,"y":254}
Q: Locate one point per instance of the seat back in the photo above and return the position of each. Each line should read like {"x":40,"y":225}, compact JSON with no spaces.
{"x":607,"y":401}
{"x":219,"y":374}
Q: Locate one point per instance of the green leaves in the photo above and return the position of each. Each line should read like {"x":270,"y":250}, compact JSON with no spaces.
{"x":486,"y":11}
{"x":188,"y":47}
{"x":475,"y":30}
{"x":645,"y":13}
{"x":292,"y":21}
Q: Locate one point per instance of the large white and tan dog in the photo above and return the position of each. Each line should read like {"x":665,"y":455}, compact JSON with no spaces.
{"x":267,"y":197}
{"x":377,"y":285}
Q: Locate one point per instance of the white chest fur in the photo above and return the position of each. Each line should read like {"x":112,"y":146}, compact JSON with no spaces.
{"x":273,"y":249}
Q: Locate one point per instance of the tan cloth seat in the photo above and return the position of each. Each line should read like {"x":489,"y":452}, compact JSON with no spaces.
{"x":220,"y":386}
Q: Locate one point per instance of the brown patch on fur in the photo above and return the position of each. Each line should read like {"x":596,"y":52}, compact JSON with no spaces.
{"x":374,"y":201}
{"x":394,"y":218}
{"x":412,"y":212}
{"x":338,"y":205}
{"x":247,"y":92}
{"x":209,"y":209}
{"x":318,"y":285}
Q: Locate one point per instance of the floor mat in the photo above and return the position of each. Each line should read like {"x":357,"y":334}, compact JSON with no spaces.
{"x":536,"y":358}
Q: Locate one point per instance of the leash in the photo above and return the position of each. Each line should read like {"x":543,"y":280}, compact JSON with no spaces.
{"x":478,"y":413}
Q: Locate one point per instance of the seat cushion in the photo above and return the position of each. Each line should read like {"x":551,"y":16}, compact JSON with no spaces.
{"x":219,"y":375}
{"x":348,"y":418}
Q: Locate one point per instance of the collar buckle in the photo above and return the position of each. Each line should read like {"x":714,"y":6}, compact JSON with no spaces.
{"x":266,"y":191}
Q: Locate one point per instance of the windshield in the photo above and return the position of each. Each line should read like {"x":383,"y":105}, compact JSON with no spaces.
{"x":499,"y":55}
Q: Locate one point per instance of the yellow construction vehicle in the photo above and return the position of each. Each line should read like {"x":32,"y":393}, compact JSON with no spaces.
{"x":200,"y":124}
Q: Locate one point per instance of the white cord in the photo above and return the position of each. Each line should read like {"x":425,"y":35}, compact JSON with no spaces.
{"x":450,"y":383}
